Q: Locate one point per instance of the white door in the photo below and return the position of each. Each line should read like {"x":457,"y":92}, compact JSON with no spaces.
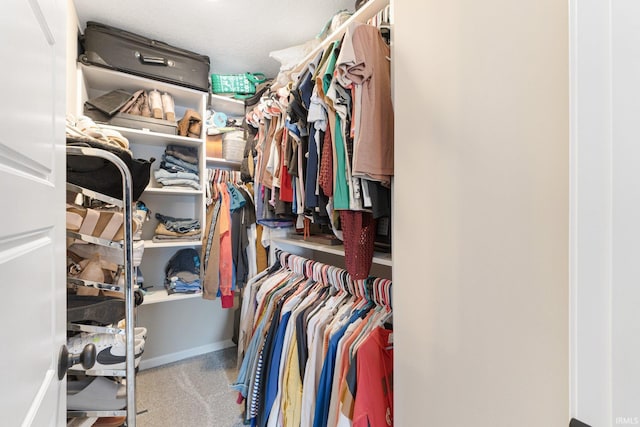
{"x":32,"y":235}
{"x":605,"y":212}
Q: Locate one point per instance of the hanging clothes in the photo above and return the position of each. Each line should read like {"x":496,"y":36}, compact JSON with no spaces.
{"x":366,"y":63}
{"x":307,"y":331}
{"x":230,"y":249}
{"x":210,"y":251}
{"x":325,"y":145}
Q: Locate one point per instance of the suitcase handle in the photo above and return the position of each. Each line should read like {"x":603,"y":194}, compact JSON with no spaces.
{"x":157,"y":60}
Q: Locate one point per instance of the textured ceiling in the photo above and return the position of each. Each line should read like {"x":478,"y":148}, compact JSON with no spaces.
{"x":237,"y":35}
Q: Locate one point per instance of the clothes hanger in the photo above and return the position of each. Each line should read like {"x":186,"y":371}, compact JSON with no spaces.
{"x":307,"y":265}
{"x":324,"y":278}
{"x":292,"y":263}
{"x":314,"y":272}
{"x":387,"y":293}
{"x":377,"y":292}
{"x":369,"y":288}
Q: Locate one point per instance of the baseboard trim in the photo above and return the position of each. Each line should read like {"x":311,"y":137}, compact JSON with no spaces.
{"x":185,"y":354}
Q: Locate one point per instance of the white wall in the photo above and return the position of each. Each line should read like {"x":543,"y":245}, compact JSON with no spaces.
{"x":481,"y":213}
{"x":71,"y":54}
{"x":181,"y":329}
{"x":605,"y":202}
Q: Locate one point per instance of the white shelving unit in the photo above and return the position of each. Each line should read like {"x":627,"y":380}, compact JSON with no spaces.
{"x":183,"y":202}
{"x":210,"y":327}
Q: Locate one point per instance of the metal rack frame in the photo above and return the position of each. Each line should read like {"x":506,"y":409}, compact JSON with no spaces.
{"x":126,"y":204}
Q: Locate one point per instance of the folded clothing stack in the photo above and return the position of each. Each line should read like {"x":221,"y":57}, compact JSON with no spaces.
{"x":172,"y":229}
{"x":182,"y":273}
{"x":179,"y":167}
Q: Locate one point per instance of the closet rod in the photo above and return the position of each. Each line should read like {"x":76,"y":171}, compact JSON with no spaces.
{"x":362,"y":15}
{"x":378,"y":290}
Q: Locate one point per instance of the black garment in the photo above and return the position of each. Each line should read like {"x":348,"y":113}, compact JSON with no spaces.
{"x":291,"y":155}
{"x":249,"y":152}
{"x":268,"y":211}
{"x":187,"y":259}
{"x":241,"y":220}
{"x":301,"y":330}
{"x":283,"y":209}
{"x":249,"y":208}
{"x":239,"y":243}
{"x":297,"y":112}
{"x":313,"y":162}
{"x":380,"y":199}
{"x":185,"y":151}
{"x":320,"y":215}
{"x":305,"y":88}
{"x":352,"y":376}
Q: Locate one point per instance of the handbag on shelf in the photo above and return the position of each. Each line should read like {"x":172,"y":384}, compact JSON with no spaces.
{"x":101,"y":175}
{"x":239,"y":84}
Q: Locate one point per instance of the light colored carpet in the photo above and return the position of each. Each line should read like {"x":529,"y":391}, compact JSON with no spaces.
{"x":191,"y":393}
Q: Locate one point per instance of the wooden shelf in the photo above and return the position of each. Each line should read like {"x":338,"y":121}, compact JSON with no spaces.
{"x":154,"y":297}
{"x":378,"y":257}
{"x":150,"y":244}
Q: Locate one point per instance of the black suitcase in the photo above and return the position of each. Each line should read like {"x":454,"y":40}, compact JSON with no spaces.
{"x":131,"y":53}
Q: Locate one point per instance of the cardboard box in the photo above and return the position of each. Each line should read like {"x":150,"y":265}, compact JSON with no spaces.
{"x":214,"y":146}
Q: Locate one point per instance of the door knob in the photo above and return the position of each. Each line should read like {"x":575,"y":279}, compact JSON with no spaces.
{"x":66,"y":360}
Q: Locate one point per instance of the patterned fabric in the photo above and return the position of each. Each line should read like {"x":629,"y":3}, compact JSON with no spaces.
{"x":359,"y":232}
{"x":255,"y":393}
{"x":326,"y":165}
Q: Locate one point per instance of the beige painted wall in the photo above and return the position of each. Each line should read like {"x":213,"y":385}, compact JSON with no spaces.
{"x":481,"y":213}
